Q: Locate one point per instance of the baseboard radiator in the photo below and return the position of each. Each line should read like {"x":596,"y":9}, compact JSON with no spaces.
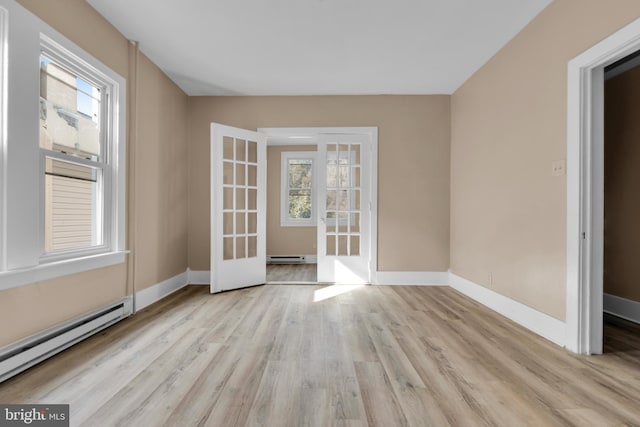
{"x":286,"y":259}
{"x":30,"y":351}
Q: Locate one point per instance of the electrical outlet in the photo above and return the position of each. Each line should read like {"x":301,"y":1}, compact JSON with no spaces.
{"x":558,"y":167}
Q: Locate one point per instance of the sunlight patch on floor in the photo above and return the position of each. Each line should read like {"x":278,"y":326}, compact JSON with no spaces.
{"x":333,"y":291}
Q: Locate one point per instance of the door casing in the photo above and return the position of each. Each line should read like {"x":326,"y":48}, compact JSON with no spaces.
{"x":585,"y":187}
{"x":309,"y":136}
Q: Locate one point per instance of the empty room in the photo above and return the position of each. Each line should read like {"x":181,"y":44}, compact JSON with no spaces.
{"x":319,"y":213}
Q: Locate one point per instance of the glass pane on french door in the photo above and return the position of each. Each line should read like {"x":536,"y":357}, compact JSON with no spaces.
{"x":343,"y":200}
{"x":240,"y":198}
{"x":343,"y":230}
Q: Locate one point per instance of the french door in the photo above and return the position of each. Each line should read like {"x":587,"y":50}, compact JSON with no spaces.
{"x":344,"y":247}
{"x":238,"y":208}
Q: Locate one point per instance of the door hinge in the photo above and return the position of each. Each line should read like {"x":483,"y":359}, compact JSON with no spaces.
{"x":584,"y":235}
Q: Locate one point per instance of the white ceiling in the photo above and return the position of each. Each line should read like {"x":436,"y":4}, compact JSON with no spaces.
{"x":319,"y":47}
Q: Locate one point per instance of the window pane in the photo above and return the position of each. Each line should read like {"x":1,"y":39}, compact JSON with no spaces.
{"x":227,"y":148}
{"x":240,"y":223}
{"x":241,"y":150}
{"x":355,"y":223}
{"x":227,"y":219}
{"x":332,"y":176}
{"x":355,"y":200}
{"x":343,"y":200}
{"x":342,"y":246}
{"x":331,"y":244}
{"x":300,"y":204}
{"x":227,"y":250}
{"x":332,"y":195}
{"x":253,"y":176}
{"x":240,"y":171}
{"x":344,"y":176}
{"x":227,"y":199}
{"x":240,"y":198}
{"x":72,"y":219}
{"x":300,"y":173}
{"x":240,"y":247}
{"x":227,"y":173}
{"x":252,"y":249}
{"x":70,"y":111}
{"x":354,"y":249}
{"x":253,"y":152}
{"x":253,"y":199}
{"x":252,"y":223}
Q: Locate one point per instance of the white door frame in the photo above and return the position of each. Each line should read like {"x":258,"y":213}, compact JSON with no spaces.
{"x":309,"y":136}
{"x":585,"y":187}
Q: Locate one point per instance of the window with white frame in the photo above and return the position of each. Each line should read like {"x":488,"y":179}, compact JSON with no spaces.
{"x":62,"y":156}
{"x":297,"y":207}
{"x":73,"y":144}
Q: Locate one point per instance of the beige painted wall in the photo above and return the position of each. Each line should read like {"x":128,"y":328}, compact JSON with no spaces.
{"x":622,"y":185}
{"x":160,"y":199}
{"x":413,"y":175}
{"x":508,"y":125}
{"x":30,"y":309}
{"x":284,"y":240}
{"x":160,"y":217}
{"x":83,"y":25}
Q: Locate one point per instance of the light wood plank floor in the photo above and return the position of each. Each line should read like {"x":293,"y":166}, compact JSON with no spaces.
{"x":292,"y":273}
{"x":306,"y":355}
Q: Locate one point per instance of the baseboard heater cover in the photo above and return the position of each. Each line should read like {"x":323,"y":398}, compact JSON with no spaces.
{"x":30,"y":351}
{"x":286,"y":259}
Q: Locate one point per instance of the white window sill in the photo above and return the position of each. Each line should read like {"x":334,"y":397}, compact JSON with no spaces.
{"x":52,"y":270}
{"x":298,"y":224}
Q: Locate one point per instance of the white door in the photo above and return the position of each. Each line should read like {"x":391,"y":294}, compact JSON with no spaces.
{"x":344,"y":246}
{"x":238,"y":208}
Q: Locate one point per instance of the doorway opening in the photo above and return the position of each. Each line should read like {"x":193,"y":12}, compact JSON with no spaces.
{"x":291,"y":210}
{"x":321,"y":205}
{"x":586,"y":187}
{"x":621,"y":280}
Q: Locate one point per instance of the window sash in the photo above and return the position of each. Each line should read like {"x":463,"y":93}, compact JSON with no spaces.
{"x":105,"y":202}
{"x":287,"y":189}
{"x":82,"y":194}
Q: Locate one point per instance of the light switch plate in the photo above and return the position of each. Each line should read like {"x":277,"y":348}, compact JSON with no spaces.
{"x":558,"y":167}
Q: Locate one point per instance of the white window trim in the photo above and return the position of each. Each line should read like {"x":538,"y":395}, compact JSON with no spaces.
{"x":3,"y":138}
{"x":285,"y":221}
{"x":21,"y":191}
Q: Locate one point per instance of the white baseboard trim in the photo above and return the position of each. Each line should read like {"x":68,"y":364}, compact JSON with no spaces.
{"x":148,"y":296}
{"x":199,"y":277}
{"x":622,"y":307}
{"x":414,"y":278}
{"x":542,"y":324}
{"x":311,"y":259}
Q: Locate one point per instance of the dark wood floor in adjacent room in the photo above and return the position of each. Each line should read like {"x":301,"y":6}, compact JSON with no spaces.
{"x":333,"y":356}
